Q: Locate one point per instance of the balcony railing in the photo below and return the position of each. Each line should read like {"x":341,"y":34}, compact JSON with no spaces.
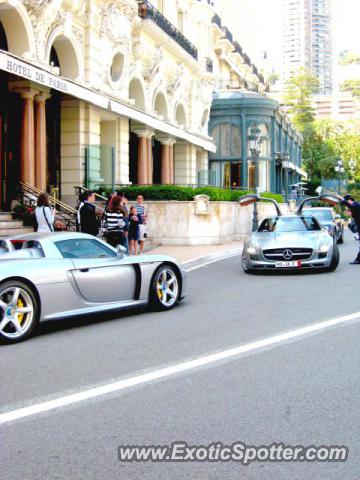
{"x":247,"y":59}
{"x":237,"y":47}
{"x":217,"y":20}
{"x":209,"y":65}
{"x":228,"y":35}
{"x":147,"y":11}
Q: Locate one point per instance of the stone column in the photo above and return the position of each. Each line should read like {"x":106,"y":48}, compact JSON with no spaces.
{"x":27,"y":143}
{"x":40,"y":142}
{"x":144,"y":156}
{"x":165,"y":164}
{"x":167,"y":159}
{"x":171,"y":162}
{"x":142,"y":161}
{"x":150,"y":161}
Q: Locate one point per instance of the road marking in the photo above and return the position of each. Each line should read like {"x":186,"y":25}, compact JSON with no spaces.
{"x":172,"y":370}
{"x":211,"y":260}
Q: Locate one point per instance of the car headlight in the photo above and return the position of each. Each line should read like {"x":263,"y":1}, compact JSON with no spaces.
{"x":324,"y":247}
{"x":251,"y":250}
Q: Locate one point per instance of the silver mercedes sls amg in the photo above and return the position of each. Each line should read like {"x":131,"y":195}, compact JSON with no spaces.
{"x":290,"y":242}
{"x":58,"y":275}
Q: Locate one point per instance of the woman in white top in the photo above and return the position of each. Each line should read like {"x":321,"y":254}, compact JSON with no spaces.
{"x":45,"y":215}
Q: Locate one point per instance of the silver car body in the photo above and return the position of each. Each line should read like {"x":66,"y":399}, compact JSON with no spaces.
{"x":327,"y":218}
{"x":73,"y":286}
{"x":313,"y":249}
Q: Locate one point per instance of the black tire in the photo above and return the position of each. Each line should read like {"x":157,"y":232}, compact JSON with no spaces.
{"x":335,"y":259}
{"x":245,"y":268}
{"x":27,"y":298}
{"x":341,"y":239}
{"x":158,"y":295}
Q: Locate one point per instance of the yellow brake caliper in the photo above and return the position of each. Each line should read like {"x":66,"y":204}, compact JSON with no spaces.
{"x":20,"y":304}
{"x":160,"y":292}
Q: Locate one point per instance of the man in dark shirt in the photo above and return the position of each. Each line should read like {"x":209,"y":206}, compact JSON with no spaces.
{"x":354,"y":208}
{"x":88,"y":220}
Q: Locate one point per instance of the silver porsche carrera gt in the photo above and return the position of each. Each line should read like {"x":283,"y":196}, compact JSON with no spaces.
{"x":48,"y":276}
{"x":290,"y":242}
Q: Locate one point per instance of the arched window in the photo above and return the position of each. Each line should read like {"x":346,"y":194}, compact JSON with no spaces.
{"x":227,"y":138}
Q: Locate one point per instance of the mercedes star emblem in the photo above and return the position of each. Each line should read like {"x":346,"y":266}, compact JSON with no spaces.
{"x":288,"y":255}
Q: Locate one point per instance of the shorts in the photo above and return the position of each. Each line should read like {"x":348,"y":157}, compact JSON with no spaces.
{"x":142,"y":233}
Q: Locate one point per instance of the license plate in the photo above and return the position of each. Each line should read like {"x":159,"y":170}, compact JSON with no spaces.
{"x":288,"y":264}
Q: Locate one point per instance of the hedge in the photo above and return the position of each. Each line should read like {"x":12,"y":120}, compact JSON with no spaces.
{"x":173,"y":192}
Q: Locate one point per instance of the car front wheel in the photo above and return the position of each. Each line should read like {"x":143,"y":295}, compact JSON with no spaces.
{"x":334,"y":260}
{"x":165,"y":290}
{"x":19,"y":312}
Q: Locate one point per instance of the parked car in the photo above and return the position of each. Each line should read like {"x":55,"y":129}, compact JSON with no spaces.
{"x":328,"y":218}
{"x":289,"y":242}
{"x":57,"y":275}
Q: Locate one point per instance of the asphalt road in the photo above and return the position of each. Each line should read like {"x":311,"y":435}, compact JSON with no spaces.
{"x":297,"y":392}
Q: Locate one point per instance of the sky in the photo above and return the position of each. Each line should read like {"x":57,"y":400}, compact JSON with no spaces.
{"x":264,"y":17}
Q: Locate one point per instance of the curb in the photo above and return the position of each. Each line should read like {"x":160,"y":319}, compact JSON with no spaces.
{"x":199,"y":262}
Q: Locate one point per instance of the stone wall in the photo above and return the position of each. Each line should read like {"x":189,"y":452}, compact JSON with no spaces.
{"x":175,"y":223}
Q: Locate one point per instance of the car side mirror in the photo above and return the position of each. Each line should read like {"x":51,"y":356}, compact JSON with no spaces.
{"x":120,"y":250}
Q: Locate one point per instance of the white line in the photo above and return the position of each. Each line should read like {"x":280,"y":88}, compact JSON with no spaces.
{"x":212,"y":260}
{"x":172,"y":370}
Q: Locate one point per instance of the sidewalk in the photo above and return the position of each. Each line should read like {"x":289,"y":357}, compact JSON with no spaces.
{"x":192,"y":256}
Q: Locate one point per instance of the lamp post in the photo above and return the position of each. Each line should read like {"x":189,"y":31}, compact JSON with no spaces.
{"x":255,"y":140}
{"x":340,"y":169}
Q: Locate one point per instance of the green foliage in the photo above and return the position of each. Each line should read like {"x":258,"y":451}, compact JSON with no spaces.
{"x":352,"y":86}
{"x":173,"y":192}
{"x":347,"y":57}
{"x":273,"y":78}
{"x":298,"y":92}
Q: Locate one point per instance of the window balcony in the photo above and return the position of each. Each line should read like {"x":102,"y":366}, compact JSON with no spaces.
{"x":209,"y":65}
{"x":217,"y":20}
{"x":147,"y":11}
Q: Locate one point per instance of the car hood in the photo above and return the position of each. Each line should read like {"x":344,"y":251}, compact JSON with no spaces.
{"x":267,"y":240}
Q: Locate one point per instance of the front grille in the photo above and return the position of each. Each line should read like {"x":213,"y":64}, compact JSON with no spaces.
{"x":277,"y":254}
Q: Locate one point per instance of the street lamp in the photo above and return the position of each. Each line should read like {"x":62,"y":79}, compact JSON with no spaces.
{"x":255,"y":140}
{"x":340,"y":169}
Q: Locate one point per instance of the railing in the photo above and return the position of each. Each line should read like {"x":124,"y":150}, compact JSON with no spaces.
{"x":246,"y":59}
{"x":237,"y":47}
{"x":209,"y":65}
{"x":228,"y":35}
{"x":147,"y":11}
{"x":100,"y":201}
{"x":64,"y":213}
{"x":217,"y":20}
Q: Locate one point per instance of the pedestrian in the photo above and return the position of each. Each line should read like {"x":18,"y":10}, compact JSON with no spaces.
{"x":80,"y":204}
{"x":135,"y":221}
{"x":89,"y":222}
{"x":116,"y":223}
{"x":109,"y":199}
{"x":44,"y":214}
{"x":354,"y":207}
{"x":141,"y":209}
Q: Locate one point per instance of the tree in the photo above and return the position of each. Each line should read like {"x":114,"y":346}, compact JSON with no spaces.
{"x":347,"y":57}
{"x":298,"y":94}
{"x":352,"y":86}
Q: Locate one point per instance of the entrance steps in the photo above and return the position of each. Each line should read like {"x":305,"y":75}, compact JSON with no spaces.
{"x":10,"y":227}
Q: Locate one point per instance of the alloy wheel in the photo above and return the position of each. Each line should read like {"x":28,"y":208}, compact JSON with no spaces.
{"x":16,"y":312}
{"x":167,"y":286}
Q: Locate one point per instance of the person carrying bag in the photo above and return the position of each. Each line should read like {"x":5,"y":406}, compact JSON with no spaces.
{"x":116,"y":223}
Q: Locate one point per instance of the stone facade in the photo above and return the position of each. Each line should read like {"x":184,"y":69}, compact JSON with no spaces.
{"x":121,"y":80}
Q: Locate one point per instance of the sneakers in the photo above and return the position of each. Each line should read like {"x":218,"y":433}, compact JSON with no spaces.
{"x":356,"y":261}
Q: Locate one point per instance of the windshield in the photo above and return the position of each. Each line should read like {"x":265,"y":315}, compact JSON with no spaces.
{"x":321,"y":214}
{"x":304,"y":223}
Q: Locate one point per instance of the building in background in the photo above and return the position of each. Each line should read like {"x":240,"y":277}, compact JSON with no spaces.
{"x":233,"y":118}
{"x":308,"y":40}
{"x":97,"y":93}
{"x":340,"y":107}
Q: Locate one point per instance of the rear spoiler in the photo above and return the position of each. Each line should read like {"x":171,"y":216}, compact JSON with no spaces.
{"x":328,"y":198}
{"x":252,"y":198}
